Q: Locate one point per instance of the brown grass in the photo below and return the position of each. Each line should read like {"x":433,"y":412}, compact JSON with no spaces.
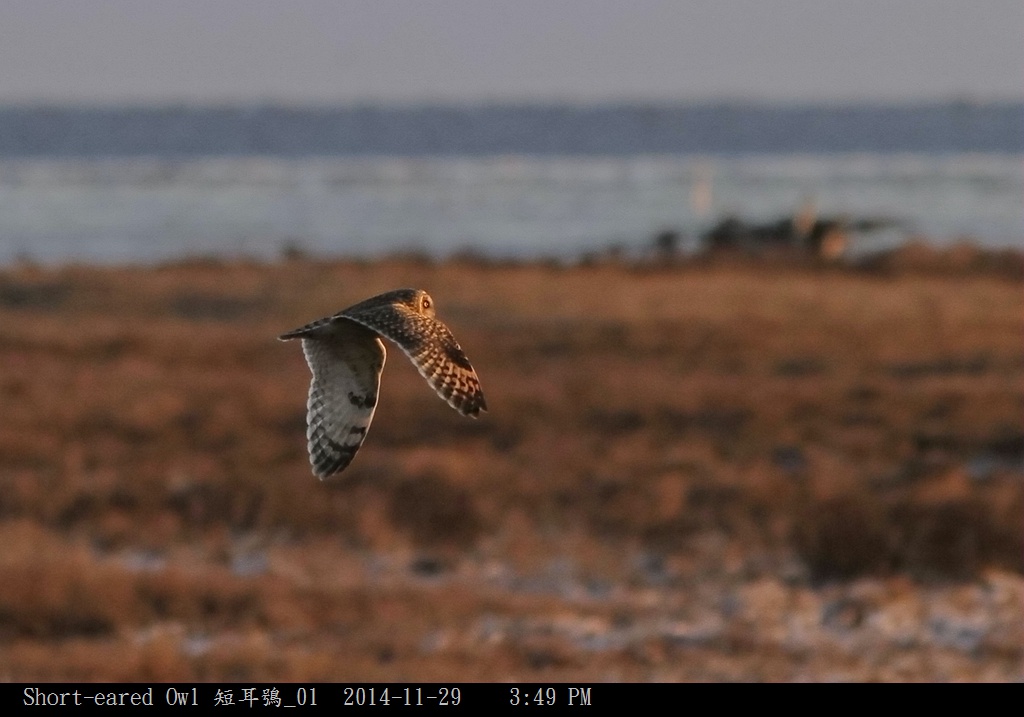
{"x":692,"y":472}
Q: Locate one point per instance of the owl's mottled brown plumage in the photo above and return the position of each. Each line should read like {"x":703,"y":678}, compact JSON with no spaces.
{"x":346,"y":356}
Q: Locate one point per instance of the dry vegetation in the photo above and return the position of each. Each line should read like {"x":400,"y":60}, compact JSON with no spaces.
{"x":698,"y":472}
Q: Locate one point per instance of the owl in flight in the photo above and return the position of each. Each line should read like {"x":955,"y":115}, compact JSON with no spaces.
{"x":346,"y":356}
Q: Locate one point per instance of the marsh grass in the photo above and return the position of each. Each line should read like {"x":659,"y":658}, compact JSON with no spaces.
{"x":654,"y":434}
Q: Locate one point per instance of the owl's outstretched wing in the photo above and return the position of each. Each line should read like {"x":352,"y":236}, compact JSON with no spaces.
{"x":346,"y":360}
{"x":432,"y":349}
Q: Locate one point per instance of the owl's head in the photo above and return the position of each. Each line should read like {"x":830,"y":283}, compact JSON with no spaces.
{"x":423,"y":303}
{"x":415,"y":299}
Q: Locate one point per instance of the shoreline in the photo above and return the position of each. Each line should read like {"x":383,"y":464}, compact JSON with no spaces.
{"x":916,"y":256}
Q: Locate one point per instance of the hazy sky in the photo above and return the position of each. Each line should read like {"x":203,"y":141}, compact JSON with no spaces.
{"x":321,"y":51}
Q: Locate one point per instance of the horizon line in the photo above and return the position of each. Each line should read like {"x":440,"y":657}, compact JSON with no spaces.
{"x":535,"y":103}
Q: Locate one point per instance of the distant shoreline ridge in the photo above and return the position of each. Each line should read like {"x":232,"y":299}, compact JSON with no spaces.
{"x":714,"y":128}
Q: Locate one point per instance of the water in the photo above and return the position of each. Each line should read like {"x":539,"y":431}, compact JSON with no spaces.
{"x":142,"y":185}
{"x":150,"y":209}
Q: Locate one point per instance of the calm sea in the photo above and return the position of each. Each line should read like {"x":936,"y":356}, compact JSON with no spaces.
{"x":139,"y":185}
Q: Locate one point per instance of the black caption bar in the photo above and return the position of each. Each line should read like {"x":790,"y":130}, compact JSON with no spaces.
{"x":252,"y":698}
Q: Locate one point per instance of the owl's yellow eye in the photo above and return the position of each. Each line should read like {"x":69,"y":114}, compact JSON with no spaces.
{"x":426,"y":303}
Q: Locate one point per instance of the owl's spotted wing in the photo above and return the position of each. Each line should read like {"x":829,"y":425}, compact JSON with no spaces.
{"x":346,"y":360}
{"x":432,"y":349}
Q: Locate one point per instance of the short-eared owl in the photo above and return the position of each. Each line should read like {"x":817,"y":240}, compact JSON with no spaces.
{"x":346,"y":356}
